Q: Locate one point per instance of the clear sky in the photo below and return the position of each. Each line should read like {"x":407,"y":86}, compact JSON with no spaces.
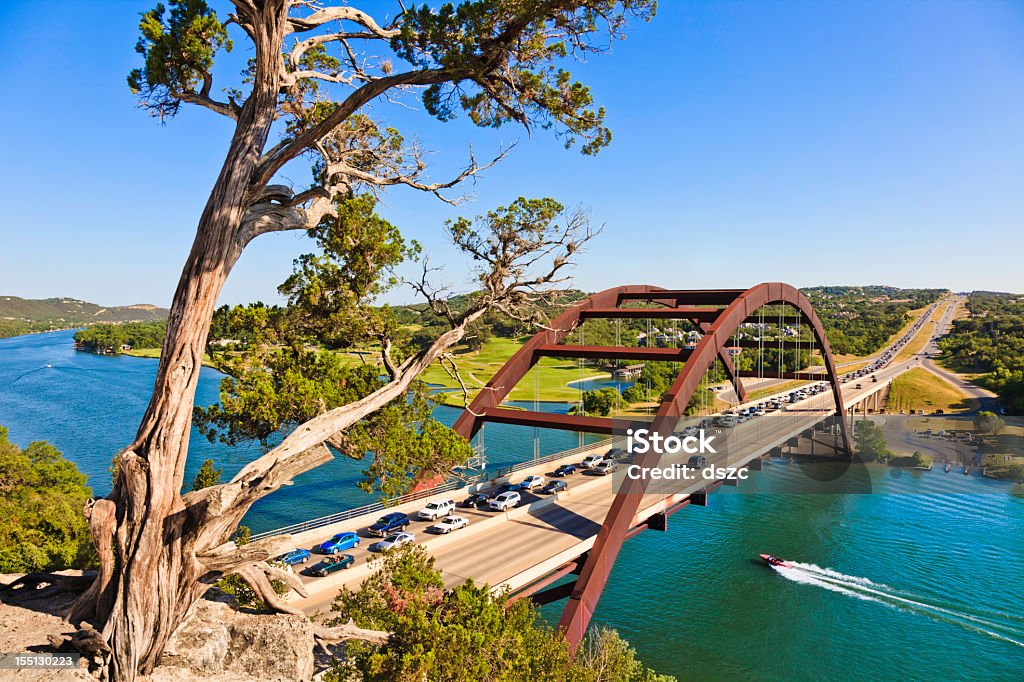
{"x":809,"y":142}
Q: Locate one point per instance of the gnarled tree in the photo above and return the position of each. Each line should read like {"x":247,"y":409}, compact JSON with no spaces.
{"x":313,"y":69}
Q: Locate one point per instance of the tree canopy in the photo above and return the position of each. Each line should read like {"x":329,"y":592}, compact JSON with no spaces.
{"x":464,"y":633}
{"x":42,"y":501}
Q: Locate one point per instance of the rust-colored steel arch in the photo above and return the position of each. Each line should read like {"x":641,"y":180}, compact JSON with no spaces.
{"x":718,"y":313}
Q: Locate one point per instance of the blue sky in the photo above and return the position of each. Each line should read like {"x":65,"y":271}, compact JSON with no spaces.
{"x":808,"y":142}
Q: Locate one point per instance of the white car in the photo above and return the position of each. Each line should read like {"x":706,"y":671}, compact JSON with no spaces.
{"x":591,"y":461}
{"x":394,"y":540}
{"x":448,"y":524}
{"x":435,"y":510}
{"x":505,"y":501}
{"x":531,"y":482}
{"x":688,"y":431}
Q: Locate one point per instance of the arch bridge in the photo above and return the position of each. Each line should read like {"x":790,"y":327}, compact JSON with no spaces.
{"x":718,"y":315}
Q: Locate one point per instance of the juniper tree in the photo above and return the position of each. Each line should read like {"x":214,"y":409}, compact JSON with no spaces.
{"x":313,"y":68}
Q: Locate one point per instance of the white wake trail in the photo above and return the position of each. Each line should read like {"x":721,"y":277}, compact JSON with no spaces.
{"x":867,"y":590}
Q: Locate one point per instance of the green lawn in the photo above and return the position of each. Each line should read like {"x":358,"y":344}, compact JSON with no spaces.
{"x":547,"y":381}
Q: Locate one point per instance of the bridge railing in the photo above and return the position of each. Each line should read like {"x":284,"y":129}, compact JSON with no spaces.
{"x":338,"y":517}
{"x":357,"y":511}
{"x":505,"y":471}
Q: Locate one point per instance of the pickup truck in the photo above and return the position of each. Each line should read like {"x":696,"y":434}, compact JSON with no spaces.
{"x":437,"y":509}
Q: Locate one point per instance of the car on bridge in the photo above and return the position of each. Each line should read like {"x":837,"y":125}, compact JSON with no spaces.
{"x":392,"y":541}
{"x":564,"y":470}
{"x":504,"y":488}
{"x":604,"y":468}
{"x":388,"y":524}
{"x":296,"y":556}
{"x":554,"y":487}
{"x":688,"y":431}
{"x":697,"y":462}
{"x":436,"y":509}
{"x":475,"y":500}
{"x":339,"y":542}
{"x":448,"y":524}
{"x":531,"y":482}
{"x":616,"y":455}
{"x":505,"y":501}
{"x":331,"y":564}
{"x":591,"y":461}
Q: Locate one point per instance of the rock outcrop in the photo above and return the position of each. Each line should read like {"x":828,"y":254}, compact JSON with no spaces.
{"x":217,"y":642}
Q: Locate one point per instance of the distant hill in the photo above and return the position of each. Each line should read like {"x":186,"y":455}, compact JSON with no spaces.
{"x":24,"y":315}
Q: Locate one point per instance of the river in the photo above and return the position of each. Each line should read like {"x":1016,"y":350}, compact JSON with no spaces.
{"x":923,"y":579}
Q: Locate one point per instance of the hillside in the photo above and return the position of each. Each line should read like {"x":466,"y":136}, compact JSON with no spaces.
{"x":24,"y":315}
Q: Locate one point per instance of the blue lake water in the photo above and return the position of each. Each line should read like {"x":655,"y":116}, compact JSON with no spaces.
{"x":598,"y":384}
{"x":90,"y":405}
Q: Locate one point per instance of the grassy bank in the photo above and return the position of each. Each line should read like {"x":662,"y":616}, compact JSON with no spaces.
{"x":547,"y":381}
{"x":919,"y":389}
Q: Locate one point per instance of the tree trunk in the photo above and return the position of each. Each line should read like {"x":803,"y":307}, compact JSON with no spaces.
{"x":146,"y":536}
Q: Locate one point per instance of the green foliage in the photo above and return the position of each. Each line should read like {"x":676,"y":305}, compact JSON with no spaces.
{"x":860,"y":320}
{"x":921,"y":459}
{"x":206,"y":476}
{"x":270,"y":388}
{"x":178,"y":50}
{"x":22,"y":316}
{"x":991,"y":340}
{"x":109,"y":338}
{"x":41,"y":505}
{"x":242,"y":536}
{"x":989,"y":423}
{"x":464,"y":633}
{"x":330,"y":293}
{"x":526,"y":41}
{"x":871,"y":442}
{"x":601,"y":402}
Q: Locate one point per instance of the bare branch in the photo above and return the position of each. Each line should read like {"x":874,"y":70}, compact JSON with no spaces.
{"x":288,"y":149}
{"x":349,"y":631}
{"x":329,"y":14}
{"x":256,"y":576}
{"x":225,"y":557}
{"x":410,"y":179}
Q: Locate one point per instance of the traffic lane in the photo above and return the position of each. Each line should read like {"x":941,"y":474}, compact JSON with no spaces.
{"x":418,"y":528}
{"x":525,"y":541}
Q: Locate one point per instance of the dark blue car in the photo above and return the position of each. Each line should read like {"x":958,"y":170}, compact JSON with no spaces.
{"x":565,"y":470}
{"x":339,"y":542}
{"x":296,"y":556}
{"x":389,"y":523}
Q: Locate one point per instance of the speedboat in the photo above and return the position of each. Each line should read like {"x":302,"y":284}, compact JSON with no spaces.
{"x":773,"y":560}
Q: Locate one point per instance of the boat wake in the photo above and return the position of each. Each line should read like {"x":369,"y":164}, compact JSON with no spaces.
{"x":997,"y":624}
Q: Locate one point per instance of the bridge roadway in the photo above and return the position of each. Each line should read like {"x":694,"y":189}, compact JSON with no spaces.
{"x":516,"y":548}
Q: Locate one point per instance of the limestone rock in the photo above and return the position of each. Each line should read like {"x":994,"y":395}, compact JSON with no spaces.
{"x":217,"y":642}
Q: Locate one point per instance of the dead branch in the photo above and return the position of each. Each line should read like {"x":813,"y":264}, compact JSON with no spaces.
{"x":349,"y":631}
{"x":329,"y":14}
{"x":256,"y":577}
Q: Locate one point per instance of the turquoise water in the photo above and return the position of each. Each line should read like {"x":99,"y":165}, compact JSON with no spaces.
{"x":922,"y":580}
{"x":598,"y":384}
{"x":945,"y":598}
